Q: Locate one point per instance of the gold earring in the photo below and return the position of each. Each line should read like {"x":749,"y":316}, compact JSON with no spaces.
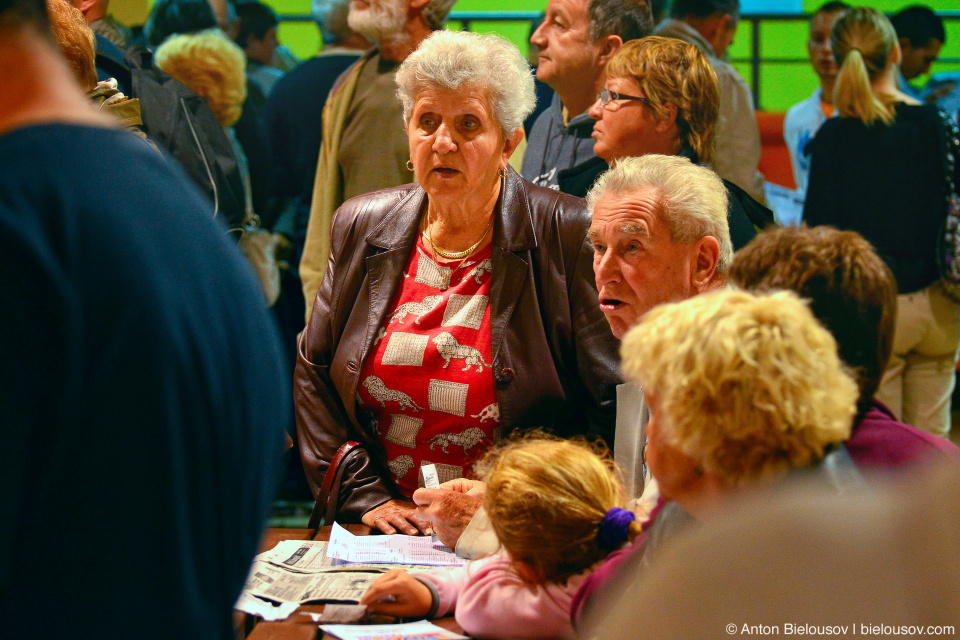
{"x":409,"y":165}
{"x":503,"y":172}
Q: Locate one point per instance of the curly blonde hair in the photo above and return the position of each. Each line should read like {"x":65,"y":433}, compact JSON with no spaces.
{"x":671,"y":70}
{"x":76,"y":41}
{"x":749,"y":384}
{"x":210,"y":64}
{"x":546,"y":498}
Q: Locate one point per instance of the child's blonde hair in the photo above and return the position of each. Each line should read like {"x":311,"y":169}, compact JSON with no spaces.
{"x":547,"y":498}
{"x":862,"y":41}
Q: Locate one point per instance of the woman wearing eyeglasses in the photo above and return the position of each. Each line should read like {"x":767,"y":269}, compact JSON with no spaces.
{"x":662,"y":96}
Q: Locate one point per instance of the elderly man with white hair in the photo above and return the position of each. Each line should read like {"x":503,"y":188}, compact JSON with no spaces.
{"x":659,"y":234}
{"x":364,"y":146}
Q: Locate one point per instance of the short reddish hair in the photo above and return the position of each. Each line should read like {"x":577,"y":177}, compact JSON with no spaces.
{"x":851,"y":290}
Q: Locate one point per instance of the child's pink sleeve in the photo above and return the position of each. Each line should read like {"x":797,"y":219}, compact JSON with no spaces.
{"x":492,"y":602}
{"x":450,"y":582}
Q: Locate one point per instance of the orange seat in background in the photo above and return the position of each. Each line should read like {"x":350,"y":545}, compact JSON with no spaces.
{"x":774,"y":156}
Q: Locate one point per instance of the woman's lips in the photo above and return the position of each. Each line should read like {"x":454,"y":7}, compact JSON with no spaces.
{"x":447,"y":171}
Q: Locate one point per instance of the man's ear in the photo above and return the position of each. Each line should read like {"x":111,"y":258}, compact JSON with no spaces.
{"x":417,"y":4}
{"x":708,"y":258}
{"x":84,"y":5}
{"x":607,"y":48}
{"x":715,"y":27}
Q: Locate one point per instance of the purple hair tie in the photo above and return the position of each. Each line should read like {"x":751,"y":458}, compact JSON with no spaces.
{"x":614,"y":527}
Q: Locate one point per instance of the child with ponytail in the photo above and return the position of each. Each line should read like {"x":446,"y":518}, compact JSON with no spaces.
{"x":554,"y":507}
{"x":882,"y":169}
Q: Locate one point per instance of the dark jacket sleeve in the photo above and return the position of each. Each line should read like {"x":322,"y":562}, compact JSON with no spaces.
{"x":323,"y":423}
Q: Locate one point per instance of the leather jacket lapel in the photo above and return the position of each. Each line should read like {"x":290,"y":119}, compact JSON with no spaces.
{"x":388,"y":249}
{"x":513,"y":238}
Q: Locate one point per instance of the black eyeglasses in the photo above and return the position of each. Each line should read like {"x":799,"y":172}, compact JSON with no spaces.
{"x":606,"y":97}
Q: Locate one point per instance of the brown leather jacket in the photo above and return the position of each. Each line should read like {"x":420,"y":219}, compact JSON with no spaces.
{"x":555,"y":359}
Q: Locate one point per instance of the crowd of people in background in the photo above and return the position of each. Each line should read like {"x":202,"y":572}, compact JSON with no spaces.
{"x":582,"y":312}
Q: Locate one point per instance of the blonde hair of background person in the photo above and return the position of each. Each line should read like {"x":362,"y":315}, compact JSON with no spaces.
{"x":75,"y":40}
{"x":555,"y":507}
{"x":748,"y":384}
{"x":211,"y":65}
{"x":865,"y":46}
{"x":693,"y":199}
{"x":677,"y":81}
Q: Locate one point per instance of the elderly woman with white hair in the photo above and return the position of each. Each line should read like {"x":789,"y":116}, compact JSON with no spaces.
{"x":454,"y":311}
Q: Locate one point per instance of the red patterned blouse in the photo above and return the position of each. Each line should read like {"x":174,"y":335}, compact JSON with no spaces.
{"x":429,"y":380}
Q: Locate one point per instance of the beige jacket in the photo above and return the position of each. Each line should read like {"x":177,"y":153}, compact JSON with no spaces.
{"x":328,"y":186}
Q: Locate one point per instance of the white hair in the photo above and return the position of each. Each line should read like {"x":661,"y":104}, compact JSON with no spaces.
{"x":454,"y":59}
{"x":693,"y":199}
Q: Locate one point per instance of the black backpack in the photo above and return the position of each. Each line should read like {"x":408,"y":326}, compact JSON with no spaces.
{"x":179,"y":121}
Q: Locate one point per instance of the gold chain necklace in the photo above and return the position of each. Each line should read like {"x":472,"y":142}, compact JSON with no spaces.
{"x":456,"y":255}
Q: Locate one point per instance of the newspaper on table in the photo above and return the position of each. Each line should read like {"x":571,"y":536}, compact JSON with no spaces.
{"x":408,"y":631}
{"x":273,"y":583}
{"x":395,"y":549}
{"x":299,"y":571}
{"x":248,"y":604}
{"x":310,"y":556}
{"x":339,"y":613}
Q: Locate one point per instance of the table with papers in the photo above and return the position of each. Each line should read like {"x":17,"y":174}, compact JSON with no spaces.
{"x":308,"y":567}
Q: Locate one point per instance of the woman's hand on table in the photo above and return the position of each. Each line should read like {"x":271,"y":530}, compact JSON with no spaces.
{"x":396,"y":593}
{"x":396,"y":515}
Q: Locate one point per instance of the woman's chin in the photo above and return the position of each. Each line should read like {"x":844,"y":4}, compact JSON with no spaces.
{"x":446,"y":185}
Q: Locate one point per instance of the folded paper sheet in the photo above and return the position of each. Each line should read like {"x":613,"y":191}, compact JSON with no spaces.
{"x":395,"y":549}
{"x":418,"y":630}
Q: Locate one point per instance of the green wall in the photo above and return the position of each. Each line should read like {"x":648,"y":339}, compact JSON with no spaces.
{"x":782,"y":83}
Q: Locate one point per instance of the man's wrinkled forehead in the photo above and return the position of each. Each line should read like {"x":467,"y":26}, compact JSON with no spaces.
{"x":638,"y":205}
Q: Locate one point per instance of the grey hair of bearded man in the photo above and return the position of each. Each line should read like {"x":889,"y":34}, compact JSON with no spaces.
{"x":435,"y":13}
{"x":455,"y":59}
{"x":693,"y":199}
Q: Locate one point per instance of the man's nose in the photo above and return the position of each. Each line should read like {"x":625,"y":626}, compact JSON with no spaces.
{"x":606,"y":269}
{"x":537,"y":36}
